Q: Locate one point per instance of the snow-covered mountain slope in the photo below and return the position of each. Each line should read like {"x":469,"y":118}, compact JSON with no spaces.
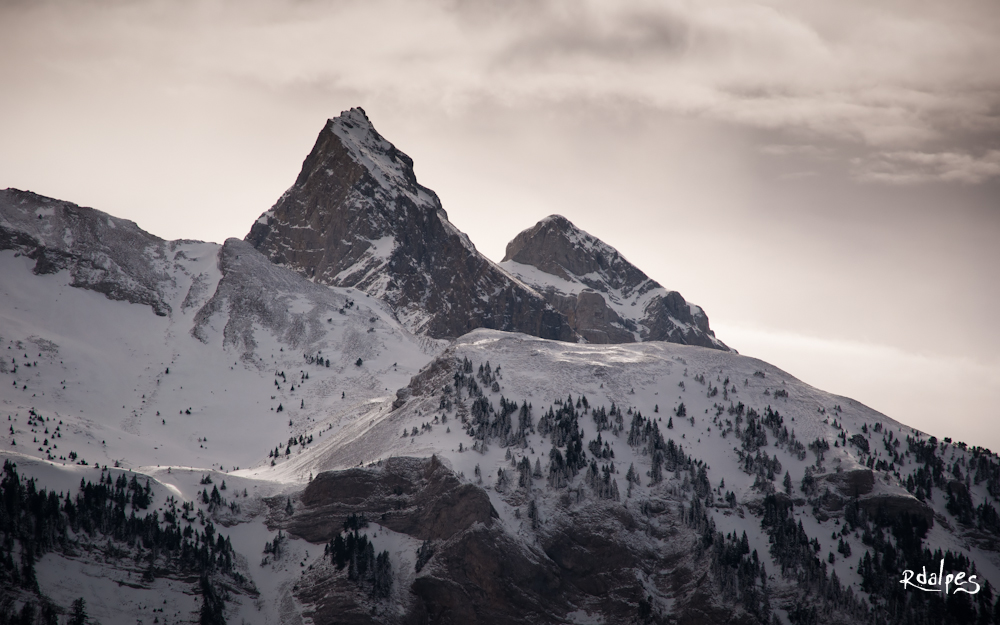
{"x":123,"y":354}
{"x":146,"y":389}
{"x":606,"y":298}
{"x":707,"y":433}
{"x":356,"y":217}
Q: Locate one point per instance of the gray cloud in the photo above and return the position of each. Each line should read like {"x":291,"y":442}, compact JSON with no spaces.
{"x":893,"y":79}
{"x":874,"y":77}
{"x":557,"y":38}
{"x":786,"y":149}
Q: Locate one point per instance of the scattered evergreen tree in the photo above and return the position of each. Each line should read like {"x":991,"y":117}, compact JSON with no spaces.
{"x":424,"y":553}
{"x":78,"y":612}
{"x":212,"y":605}
{"x":382,"y":576}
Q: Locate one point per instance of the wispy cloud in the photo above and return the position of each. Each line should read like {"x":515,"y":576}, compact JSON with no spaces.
{"x":795,"y":150}
{"x":911,"y":167}
{"x":798,"y":175}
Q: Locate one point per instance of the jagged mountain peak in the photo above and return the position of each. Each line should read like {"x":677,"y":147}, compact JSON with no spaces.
{"x":606,"y":298}
{"x":349,"y":147}
{"x":357,"y":217}
{"x":354,"y":115}
{"x":385,"y":163}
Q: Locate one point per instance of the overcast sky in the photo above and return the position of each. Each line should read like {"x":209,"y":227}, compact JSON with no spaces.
{"x":822,"y":177}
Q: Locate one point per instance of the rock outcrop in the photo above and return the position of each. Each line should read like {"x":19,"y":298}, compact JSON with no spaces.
{"x":852,"y":483}
{"x":417,"y":497}
{"x":102,"y":253}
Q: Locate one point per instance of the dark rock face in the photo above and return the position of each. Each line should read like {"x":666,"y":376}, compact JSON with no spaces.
{"x":420,"y":498}
{"x":590,"y":316}
{"x":597,"y":557}
{"x":484,"y":576}
{"x":858,"y":486}
{"x":853,"y":483}
{"x":478,"y":573}
{"x":606,"y":298}
{"x":356,"y":217}
{"x":885,"y":507}
{"x":102,"y":253}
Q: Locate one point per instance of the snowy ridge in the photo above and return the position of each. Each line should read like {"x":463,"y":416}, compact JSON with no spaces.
{"x":102,"y":253}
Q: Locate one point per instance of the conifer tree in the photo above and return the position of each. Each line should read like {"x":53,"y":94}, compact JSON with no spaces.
{"x":78,"y":614}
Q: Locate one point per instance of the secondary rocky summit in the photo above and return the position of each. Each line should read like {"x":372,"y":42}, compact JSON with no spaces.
{"x":356,"y":217}
{"x":606,"y":298}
